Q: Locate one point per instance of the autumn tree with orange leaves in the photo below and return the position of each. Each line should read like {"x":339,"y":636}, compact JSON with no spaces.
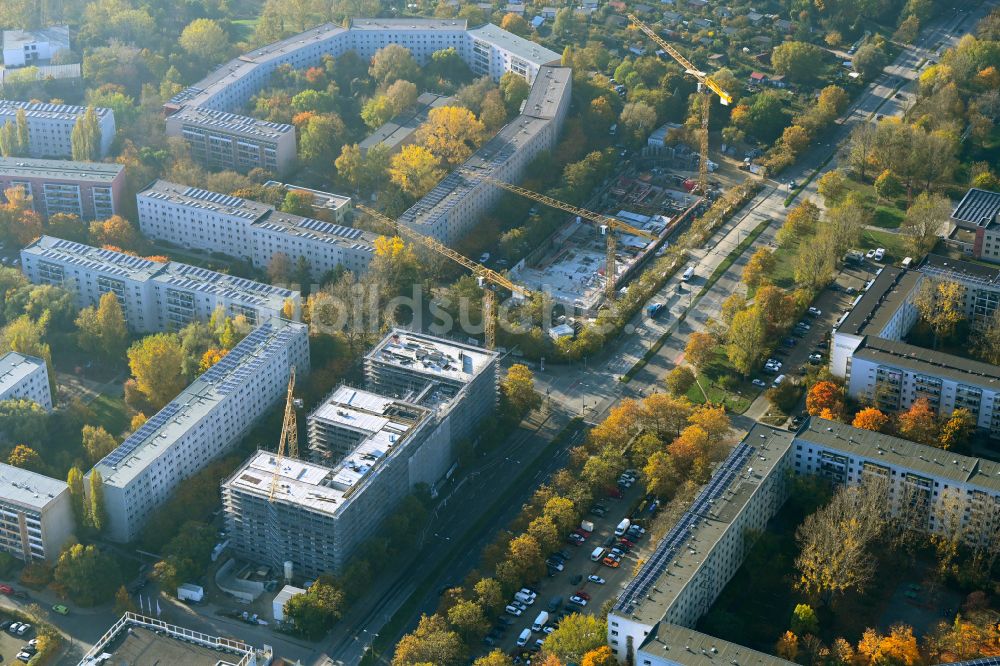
{"x":870,"y":418}
{"x":918,"y":423}
{"x":825,"y":395}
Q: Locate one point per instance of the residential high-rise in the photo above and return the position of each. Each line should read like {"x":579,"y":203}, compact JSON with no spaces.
{"x":36,"y":514}
{"x":50,"y":126}
{"x":154,"y":296}
{"x":89,"y":190}
{"x":206,"y":420}
{"x":24,"y":377}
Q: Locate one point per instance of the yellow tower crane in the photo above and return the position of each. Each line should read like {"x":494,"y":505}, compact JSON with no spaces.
{"x":706,"y":85}
{"x":608,"y":226}
{"x":485,"y":275}
{"x":289,"y":435}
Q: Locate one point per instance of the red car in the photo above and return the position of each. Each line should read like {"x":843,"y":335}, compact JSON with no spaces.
{"x":580,"y":533}
{"x":6,"y":589}
{"x":581,"y":593}
{"x":625,"y":542}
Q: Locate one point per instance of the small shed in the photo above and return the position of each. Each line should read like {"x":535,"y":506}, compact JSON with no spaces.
{"x":278,"y":605}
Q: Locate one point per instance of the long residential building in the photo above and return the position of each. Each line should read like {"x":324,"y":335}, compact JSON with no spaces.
{"x":154,"y":296}
{"x":870,"y":352}
{"x":977,"y":218}
{"x":221,"y":138}
{"x":370,"y":448}
{"x":36,"y":514}
{"x":198,"y":219}
{"x":50,"y":126}
{"x":652,"y":619}
{"x":89,"y":190}
{"x":451,"y":210}
{"x":205,"y":421}
{"x":24,"y":377}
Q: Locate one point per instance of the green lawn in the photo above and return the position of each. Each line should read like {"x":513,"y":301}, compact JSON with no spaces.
{"x":111,"y":413}
{"x":783,"y":274}
{"x":894,"y":244}
{"x":713,"y":381}
{"x":888,"y":217}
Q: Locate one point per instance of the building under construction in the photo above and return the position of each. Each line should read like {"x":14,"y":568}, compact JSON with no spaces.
{"x":368,"y":450}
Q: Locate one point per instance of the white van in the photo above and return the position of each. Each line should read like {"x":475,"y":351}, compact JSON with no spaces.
{"x":525,"y":599}
{"x":597,"y":555}
{"x":688,"y":273}
{"x":522,"y":640}
{"x":907,"y":262}
{"x":623,"y":527}
{"x":540,"y":621}
{"x":778,"y":380}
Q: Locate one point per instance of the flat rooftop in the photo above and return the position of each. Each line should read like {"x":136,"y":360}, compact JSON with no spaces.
{"x":26,"y":167}
{"x":136,"y":640}
{"x":880,"y":301}
{"x":9,"y":107}
{"x":321,"y":200}
{"x":264,"y":53}
{"x":57,"y":35}
{"x":232,"y":123}
{"x":547,"y":91}
{"x":405,"y":24}
{"x":14,"y":367}
{"x":28,"y":489}
{"x":517,"y":46}
{"x":94,"y":259}
{"x":888,"y":450}
{"x":159,"y":433}
{"x":251,"y":292}
{"x":931,"y":362}
{"x":383,"y":426}
{"x":682,"y":551}
{"x":432,"y":356}
{"x":968,"y":272}
{"x":977,"y":208}
{"x":692,"y":648}
{"x":195,"y":197}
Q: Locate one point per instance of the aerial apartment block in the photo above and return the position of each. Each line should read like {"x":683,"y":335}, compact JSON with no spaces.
{"x":36,"y":514}
{"x":652,"y":619}
{"x":451,"y":210}
{"x":89,"y":190}
{"x":977,"y":224}
{"x":869,"y":351}
{"x":154,"y":296}
{"x":205,"y":421}
{"x":201,"y":220}
{"x":24,"y":377}
{"x":50,"y":126}
{"x":370,"y":448}
{"x":207,"y":111}
{"x":329,"y":206}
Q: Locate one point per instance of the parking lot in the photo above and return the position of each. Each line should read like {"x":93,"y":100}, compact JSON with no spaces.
{"x":10,"y":645}
{"x":578,"y":567}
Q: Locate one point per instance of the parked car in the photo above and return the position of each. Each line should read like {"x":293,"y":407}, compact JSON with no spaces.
{"x":870,"y":254}
{"x":879,"y":254}
{"x":511,"y":609}
{"x":609,"y":562}
{"x":759,"y":383}
{"x":815,"y":312}
{"x":61,"y":609}
{"x":815,"y":358}
{"x":6,"y":589}
{"x":598,"y":511}
{"x":583,"y":595}
{"x":594,"y":578}
{"x":578,"y":600}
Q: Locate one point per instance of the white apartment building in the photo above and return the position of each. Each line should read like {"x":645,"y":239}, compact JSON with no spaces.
{"x":154,"y":296}
{"x":331,"y":207}
{"x":50,"y":126}
{"x":977,"y":222}
{"x":651,"y":621}
{"x":25,"y":377}
{"x":692,"y":564}
{"x":869,"y":352}
{"x":207,"y":419}
{"x":451,"y":210}
{"x":221,"y":138}
{"x":36,"y":514}
{"x":26,"y":48}
{"x":370,"y":449}
{"x":198,"y":219}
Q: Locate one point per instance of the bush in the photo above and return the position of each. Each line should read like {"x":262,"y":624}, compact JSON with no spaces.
{"x":785,"y":396}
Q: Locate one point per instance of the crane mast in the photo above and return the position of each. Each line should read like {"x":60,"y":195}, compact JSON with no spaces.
{"x":289,"y":439}
{"x":706,"y":85}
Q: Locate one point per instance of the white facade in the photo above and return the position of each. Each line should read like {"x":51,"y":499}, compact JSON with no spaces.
{"x":36,"y":514}
{"x":868,"y":348}
{"x":31,"y":47}
{"x":451,"y":210}
{"x":25,"y":378}
{"x":154,"y":296}
{"x":212,"y":222}
{"x":50,"y":126}
{"x":207,"y":419}
{"x":224,"y":139}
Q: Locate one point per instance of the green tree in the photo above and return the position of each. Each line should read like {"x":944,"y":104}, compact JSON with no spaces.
{"x":432,"y":642}
{"x":156,"y":362}
{"x":745,"y":341}
{"x":205,"y":40}
{"x":469,"y":620}
{"x":804,"y":620}
{"x":490,"y":595}
{"x":23,"y":420}
{"x":680,"y":379}
{"x":8,"y":140}
{"x":322,"y":137}
{"x":102,"y":329}
{"x":576,"y":636}
{"x":494,"y":658}
{"x":514,"y":90}
{"x":299,"y":203}
{"x":77,"y":496}
{"x":887,"y":185}
{"x":940,"y":304}
{"x":799,"y":61}
{"x":98,"y":514}
{"x":85,"y":139}
{"x":639,"y":118}
{"x":21,"y":134}
{"x":393,"y":62}
{"x":870,"y":60}
{"x":97,"y":442}
{"x":832,"y":186}
{"x":89,"y":576}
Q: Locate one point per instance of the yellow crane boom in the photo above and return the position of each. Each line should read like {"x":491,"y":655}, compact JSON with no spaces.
{"x":289,"y":435}
{"x":482,"y":272}
{"x":611,"y":224}
{"x":706,"y":84}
